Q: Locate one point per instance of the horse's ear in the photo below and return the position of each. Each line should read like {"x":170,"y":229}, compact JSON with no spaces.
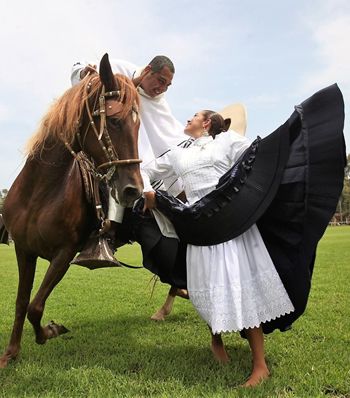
{"x":106,"y":74}
{"x":227,"y":123}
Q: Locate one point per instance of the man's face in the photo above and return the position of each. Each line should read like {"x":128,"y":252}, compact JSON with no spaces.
{"x":156,"y":83}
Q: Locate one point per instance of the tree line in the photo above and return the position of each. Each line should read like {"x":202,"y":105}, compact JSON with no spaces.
{"x":342,"y":214}
{"x":3,"y":193}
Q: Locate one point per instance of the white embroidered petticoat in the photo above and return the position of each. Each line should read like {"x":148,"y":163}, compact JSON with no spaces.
{"x":234,"y":285}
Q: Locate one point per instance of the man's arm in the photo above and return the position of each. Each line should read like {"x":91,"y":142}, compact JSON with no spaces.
{"x":81,"y":69}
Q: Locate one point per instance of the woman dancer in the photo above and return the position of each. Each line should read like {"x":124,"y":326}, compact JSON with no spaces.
{"x":233,"y":285}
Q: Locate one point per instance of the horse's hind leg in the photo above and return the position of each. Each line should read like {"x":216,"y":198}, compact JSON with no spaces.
{"x":56,"y":271}
{"x":26,"y":271}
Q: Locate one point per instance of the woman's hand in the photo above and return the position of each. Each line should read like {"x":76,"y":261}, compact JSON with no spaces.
{"x":150,"y":200}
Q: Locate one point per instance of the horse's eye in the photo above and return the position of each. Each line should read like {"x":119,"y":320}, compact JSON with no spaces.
{"x":115,"y":122}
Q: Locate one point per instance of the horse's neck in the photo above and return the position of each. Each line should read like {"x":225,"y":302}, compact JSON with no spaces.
{"x":48,"y":188}
{"x":54,"y":156}
{"x":46,"y":171}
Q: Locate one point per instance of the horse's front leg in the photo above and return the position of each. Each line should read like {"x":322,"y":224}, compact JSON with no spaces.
{"x":26,"y":272}
{"x":56,"y":271}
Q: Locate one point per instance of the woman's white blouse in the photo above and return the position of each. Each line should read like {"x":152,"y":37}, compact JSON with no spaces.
{"x":200,"y":166}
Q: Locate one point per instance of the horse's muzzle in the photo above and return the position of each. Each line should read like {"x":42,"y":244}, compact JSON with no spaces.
{"x":129,"y":195}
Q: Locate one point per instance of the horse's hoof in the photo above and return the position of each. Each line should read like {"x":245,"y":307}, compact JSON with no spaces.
{"x":50,"y":331}
{"x":3,"y":363}
{"x":54,"y":330}
{"x":5,"y":359}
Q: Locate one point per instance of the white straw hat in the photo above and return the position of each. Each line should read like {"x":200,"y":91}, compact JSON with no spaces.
{"x":238,"y":115}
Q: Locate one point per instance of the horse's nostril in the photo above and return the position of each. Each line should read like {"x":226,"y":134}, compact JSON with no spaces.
{"x":131,"y":193}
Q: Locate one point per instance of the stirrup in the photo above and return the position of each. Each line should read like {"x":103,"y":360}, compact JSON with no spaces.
{"x":96,"y":254}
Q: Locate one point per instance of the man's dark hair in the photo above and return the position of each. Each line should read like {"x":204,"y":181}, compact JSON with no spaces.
{"x":158,"y":63}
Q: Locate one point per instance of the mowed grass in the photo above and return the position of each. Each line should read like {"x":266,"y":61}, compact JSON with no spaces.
{"x":113,"y":349}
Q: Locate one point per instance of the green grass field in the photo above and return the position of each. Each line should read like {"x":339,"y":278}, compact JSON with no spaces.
{"x":113,"y":349}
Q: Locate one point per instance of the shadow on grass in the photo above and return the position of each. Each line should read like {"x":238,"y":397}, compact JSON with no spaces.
{"x":136,"y":347}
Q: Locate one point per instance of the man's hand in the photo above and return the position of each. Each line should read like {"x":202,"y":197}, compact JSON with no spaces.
{"x":88,"y":70}
{"x":150,"y":200}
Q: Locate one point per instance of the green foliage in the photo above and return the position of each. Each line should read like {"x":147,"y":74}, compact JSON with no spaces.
{"x":345,"y":198}
{"x":113,"y":349}
{"x":3,"y":194}
{"x":347,"y":168}
{"x":343,"y":208}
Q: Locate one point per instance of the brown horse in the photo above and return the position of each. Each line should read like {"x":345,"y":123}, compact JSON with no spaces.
{"x":46,"y":211}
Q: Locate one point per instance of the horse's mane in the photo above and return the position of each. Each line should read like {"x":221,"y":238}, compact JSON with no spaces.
{"x":63,"y":120}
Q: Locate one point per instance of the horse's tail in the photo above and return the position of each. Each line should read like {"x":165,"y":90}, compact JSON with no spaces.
{"x":4,"y":235}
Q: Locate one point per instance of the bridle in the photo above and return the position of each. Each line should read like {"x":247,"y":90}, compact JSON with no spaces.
{"x":107,"y":107}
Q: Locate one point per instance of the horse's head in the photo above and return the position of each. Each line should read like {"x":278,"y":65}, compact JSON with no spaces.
{"x":109,"y":130}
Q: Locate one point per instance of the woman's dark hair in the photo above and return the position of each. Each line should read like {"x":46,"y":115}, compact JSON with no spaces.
{"x":218,"y":123}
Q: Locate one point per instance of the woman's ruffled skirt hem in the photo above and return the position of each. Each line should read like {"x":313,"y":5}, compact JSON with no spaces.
{"x":234,"y":308}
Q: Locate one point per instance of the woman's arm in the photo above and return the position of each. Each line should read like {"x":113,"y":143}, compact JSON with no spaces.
{"x":234,"y":145}
{"x":158,"y":169}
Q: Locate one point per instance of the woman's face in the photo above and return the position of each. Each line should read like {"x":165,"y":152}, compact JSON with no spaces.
{"x":194,"y":127}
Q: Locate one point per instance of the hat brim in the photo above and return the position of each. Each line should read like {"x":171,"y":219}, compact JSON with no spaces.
{"x":237,"y":112}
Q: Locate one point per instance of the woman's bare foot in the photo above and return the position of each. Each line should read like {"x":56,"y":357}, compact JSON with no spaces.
{"x":218,"y":349}
{"x":260,"y":370}
{"x":259,"y":374}
{"x":160,"y":314}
